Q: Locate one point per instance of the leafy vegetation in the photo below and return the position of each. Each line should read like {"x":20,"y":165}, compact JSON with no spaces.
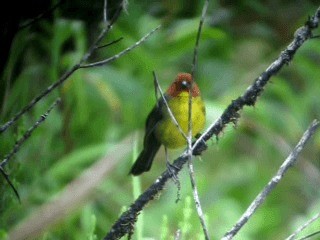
{"x":103,"y":106}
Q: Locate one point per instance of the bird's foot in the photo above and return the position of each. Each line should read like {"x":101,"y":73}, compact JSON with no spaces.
{"x":172,"y":171}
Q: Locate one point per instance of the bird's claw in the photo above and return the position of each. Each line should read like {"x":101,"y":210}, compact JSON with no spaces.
{"x":172,"y":171}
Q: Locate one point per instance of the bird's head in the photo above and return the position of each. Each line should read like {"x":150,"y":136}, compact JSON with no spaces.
{"x":182,"y":85}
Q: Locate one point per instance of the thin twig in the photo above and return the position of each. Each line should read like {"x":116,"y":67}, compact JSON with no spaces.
{"x":173,"y":118}
{"x":310,"y":235}
{"x":195,"y":53}
{"x":304,"y":226}
{"x":157,"y":89}
{"x":189,"y":150}
{"x":7,"y":178}
{"x":19,"y":143}
{"x":105,"y":11}
{"x":110,"y":43}
{"x":197,"y":199}
{"x":289,"y":162}
{"x":102,"y":35}
{"x":126,"y":221}
{"x":5,"y":126}
{"x":125,"y":51}
{"x":27,"y":134}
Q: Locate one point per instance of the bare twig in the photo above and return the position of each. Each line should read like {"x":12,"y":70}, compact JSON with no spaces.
{"x":105,"y":11}
{"x":7,"y":178}
{"x":102,"y":34}
{"x":195,"y":53}
{"x":127,"y":219}
{"x":110,"y":43}
{"x":189,"y":150}
{"x":197,"y":199}
{"x":5,"y":126}
{"x":310,"y":235}
{"x":19,"y":143}
{"x":27,"y":135}
{"x":304,"y":226}
{"x":125,"y":51}
{"x":289,"y":162}
{"x":194,"y":65}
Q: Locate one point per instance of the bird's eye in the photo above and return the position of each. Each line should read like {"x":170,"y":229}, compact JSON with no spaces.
{"x":185,"y":84}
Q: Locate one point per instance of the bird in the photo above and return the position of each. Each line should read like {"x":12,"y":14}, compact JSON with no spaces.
{"x":160,"y":128}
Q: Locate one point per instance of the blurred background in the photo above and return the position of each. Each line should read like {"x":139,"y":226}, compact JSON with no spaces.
{"x":72,"y":173}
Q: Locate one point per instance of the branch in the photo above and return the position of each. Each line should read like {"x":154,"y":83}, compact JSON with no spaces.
{"x":19,"y":143}
{"x":197,"y":200}
{"x":27,"y":135}
{"x":301,"y":228}
{"x":105,"y":12}
{"x":310,"y":235}
{"x":195,"y":53}
{"x":126,"y":221}
{"x":289,"y":162}
{"x":125,"y":51}
{"x":189,"y":150}
{"x":7,"y":178}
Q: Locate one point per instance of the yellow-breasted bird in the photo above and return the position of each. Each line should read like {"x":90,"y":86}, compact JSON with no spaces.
{"x":160,"y":128}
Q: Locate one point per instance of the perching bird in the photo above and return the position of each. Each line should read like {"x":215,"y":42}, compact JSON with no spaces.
{"x":160,"y":128}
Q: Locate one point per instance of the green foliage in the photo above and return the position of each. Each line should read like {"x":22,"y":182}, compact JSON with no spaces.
{"x":102,"y":105}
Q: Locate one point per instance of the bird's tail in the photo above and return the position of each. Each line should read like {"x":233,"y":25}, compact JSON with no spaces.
{"x":145,"y":159}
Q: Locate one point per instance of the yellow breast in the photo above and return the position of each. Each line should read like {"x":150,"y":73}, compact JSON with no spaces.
{"x":167,"y":132}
